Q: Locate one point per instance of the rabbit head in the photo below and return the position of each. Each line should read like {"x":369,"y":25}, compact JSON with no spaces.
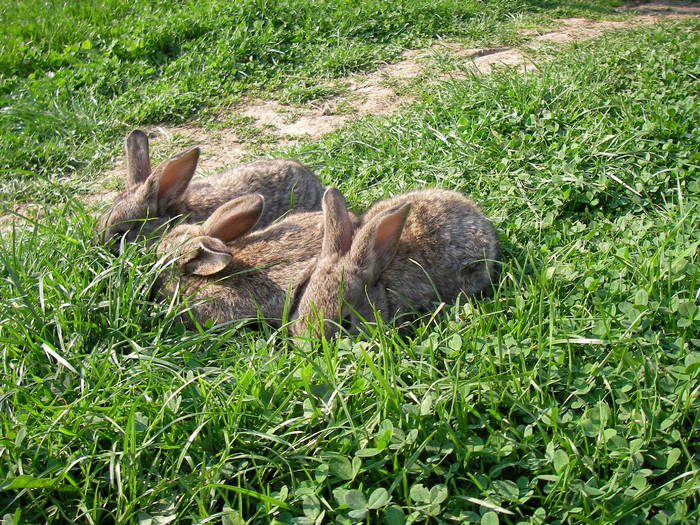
{"x":200,"y":249}
{"x":343,"y":288}
{"x":143,"y":205}
{"x":234,"y":273}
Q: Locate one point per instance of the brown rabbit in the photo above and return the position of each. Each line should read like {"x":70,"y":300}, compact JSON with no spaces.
{"x":397,"y":262}
{"x":152,"y":198}
{"x":237,"y":274}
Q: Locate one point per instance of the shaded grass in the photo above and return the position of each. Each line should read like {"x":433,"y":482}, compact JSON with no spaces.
{"x":76,"y":76}
{"x":570,"y":396}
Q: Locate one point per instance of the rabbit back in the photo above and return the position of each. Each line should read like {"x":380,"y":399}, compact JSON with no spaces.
{"x":285,"y":185}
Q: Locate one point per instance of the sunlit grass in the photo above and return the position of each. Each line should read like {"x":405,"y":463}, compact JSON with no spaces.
{"x":569,"y":396}
{"x":76,"y":76}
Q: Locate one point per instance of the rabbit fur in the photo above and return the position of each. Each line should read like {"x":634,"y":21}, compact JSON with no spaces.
{"x":235,"y":273}
{"x":153,"y":197}
{"x":410,"y":251}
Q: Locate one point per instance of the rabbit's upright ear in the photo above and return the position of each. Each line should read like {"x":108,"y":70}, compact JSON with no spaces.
{"x":375,"y":243}
{"x":173,"y":175}
{"x":204,"y":256}
{"x":235,"y":218}
{"x":138,"y":162}
{"x":337,"y":226}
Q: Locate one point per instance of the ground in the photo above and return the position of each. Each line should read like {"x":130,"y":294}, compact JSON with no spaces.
{"x":378,"y":93}
{"x":569,"y":395}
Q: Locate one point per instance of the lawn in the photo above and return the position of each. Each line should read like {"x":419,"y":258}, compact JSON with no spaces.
{"x":76,"y":76}
{"x":569,"y":396}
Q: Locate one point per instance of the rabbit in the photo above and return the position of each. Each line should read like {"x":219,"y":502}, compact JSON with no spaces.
{"x":241,"y":273}
{"x":153,"y":197}
{"x":409,"y":251}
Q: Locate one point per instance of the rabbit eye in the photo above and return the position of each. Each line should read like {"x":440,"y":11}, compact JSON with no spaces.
{"x":346,"y":322}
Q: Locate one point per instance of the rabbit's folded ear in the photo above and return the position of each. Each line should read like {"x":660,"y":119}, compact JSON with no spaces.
{"x":337,"y":226}
{"x":375,"y":243}
{"x":204,"y":256}
{"x":138,"y":163}
{"x":235,"y":218}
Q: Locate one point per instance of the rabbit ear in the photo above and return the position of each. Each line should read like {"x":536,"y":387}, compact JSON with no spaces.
{"x":235,"y":218}
{"x":174,"y":175}
{"x":337,"y":226}
{"x":204,"y":256}
{"x":138,"y":163}
{"x":375,"y":244}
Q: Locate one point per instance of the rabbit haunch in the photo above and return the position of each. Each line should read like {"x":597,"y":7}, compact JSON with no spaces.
{"x":410,"y":251}
{"x":153,"y":197}
{"x":233,"y":273}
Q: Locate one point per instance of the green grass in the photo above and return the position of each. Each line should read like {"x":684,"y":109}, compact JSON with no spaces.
{"x":571,"y":396}
{"x":76,"y":76}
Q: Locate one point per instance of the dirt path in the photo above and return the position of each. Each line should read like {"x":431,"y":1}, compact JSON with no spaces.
{"x":254,"y":126}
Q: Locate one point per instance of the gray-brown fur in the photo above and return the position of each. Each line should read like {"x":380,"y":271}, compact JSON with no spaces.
{"x":237,"y":275}
{"x":410,"y":251}
{"x":151,"y":199}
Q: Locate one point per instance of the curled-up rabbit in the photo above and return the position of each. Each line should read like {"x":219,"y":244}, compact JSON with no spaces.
{"x":410,"y":251}
{"x":234,"y":273}
{"x":153,"y":197}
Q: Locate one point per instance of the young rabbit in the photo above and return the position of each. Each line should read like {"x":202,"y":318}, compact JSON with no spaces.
{"x":397,"y":262}
{"x":152,"y":198}
{"x":237,"y":274}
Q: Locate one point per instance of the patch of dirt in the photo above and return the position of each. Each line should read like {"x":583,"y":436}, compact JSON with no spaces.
{"x":664,"y":8}
{"x":376,"y":93}
{"x":582,"y":29}
{"x":223,"y":148}
{"x":32,"y":211}
{"x":485,"y":62}
{"x":364,"y":95}
{"x":312,"y":122}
